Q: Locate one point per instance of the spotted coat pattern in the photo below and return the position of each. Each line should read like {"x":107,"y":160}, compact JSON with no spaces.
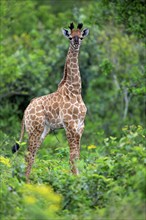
{"x":61,"y":109}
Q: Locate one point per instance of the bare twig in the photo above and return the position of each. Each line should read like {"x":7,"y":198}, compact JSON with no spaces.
{"x":126,"y":100}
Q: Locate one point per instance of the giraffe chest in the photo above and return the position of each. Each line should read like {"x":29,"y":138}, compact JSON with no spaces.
{"x":73,"y":109}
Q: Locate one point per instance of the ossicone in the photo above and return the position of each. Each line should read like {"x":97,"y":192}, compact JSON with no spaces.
{"x":71,"y":27}
{"x":80,"y":25}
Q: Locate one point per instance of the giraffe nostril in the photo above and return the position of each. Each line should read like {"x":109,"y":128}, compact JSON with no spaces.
{"x":76,"y":40}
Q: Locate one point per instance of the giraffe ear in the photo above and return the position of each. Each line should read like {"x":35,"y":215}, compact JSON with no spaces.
{"x":65,"y":32}
{"x":85,"y":32}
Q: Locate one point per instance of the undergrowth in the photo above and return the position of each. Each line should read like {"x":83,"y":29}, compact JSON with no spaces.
{"x":111,"y":184}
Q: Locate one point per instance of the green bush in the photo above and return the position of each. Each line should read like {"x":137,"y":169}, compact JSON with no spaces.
{"x":111,"y":184}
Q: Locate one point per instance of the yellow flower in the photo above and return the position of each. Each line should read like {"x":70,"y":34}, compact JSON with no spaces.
{"x":30,"y":199}
{"x":91,"y":147}
{"x":54,"y":208}
{"x":44,"y":191}
{"x":5,"y":161}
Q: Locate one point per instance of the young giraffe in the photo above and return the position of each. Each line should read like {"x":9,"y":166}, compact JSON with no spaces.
{"x":61,"y":109}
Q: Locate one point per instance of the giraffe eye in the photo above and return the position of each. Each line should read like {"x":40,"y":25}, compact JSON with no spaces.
{"x":81,"y":38}
{"x":70,"y":38}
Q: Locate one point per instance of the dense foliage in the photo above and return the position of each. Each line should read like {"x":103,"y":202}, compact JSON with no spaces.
{"x":111,"y":184}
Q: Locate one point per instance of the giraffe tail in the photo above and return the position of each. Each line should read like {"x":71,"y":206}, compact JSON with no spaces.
{"x":16,"y":146}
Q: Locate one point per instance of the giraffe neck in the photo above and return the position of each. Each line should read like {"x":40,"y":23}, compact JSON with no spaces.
{"x":71,"y":78}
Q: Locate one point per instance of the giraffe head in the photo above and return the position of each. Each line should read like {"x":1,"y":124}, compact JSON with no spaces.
{"x":75,"y":35}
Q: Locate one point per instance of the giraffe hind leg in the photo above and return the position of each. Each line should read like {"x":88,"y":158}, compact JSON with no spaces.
{"x":34,"y":143}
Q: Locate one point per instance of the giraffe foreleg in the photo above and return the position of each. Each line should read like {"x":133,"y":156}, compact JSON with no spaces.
{"x":74,"y":154}
{"x":74,"y":136}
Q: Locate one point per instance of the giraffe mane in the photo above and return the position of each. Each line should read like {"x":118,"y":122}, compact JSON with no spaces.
{"x":71,"y":27}
{"x":80,"y":25}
